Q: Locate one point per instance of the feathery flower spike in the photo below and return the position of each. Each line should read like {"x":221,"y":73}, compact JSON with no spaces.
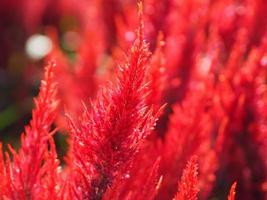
{"x":188,"y":186}
{"x":106,"y":138}
{"x":23,"y":174}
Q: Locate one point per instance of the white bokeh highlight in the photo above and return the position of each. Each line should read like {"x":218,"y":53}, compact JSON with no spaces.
{"x":38,"y":46}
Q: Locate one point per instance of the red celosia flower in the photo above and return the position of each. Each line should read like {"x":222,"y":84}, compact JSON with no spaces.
{"x":24,"y":176}
{"x":106,"y":138}
{"x":188,"y":186}
{"x":188,"y":134}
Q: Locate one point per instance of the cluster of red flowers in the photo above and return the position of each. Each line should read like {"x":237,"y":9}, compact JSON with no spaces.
{"x":182,"y":115}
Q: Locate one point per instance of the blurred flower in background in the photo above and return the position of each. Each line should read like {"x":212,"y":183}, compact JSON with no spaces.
{"x":24,"y":45}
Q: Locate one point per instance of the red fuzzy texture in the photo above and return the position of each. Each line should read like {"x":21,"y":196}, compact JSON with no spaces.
{"x":209,"y":69}
{"x":23,"y":178}
{"x":188,"y":186}
{"x":134,"y":185}
{"x":107,"y":138}
{"x":157,"y":74}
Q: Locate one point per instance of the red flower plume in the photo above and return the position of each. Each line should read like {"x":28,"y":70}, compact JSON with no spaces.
{"x":188,"y":186}
{"x":107,"y":137}
{"x":23,"y":177}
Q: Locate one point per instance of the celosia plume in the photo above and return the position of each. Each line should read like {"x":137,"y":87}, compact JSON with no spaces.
{"x":108,"y":136}
{"x":188,"y":186}
{"x":24,"y":175}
